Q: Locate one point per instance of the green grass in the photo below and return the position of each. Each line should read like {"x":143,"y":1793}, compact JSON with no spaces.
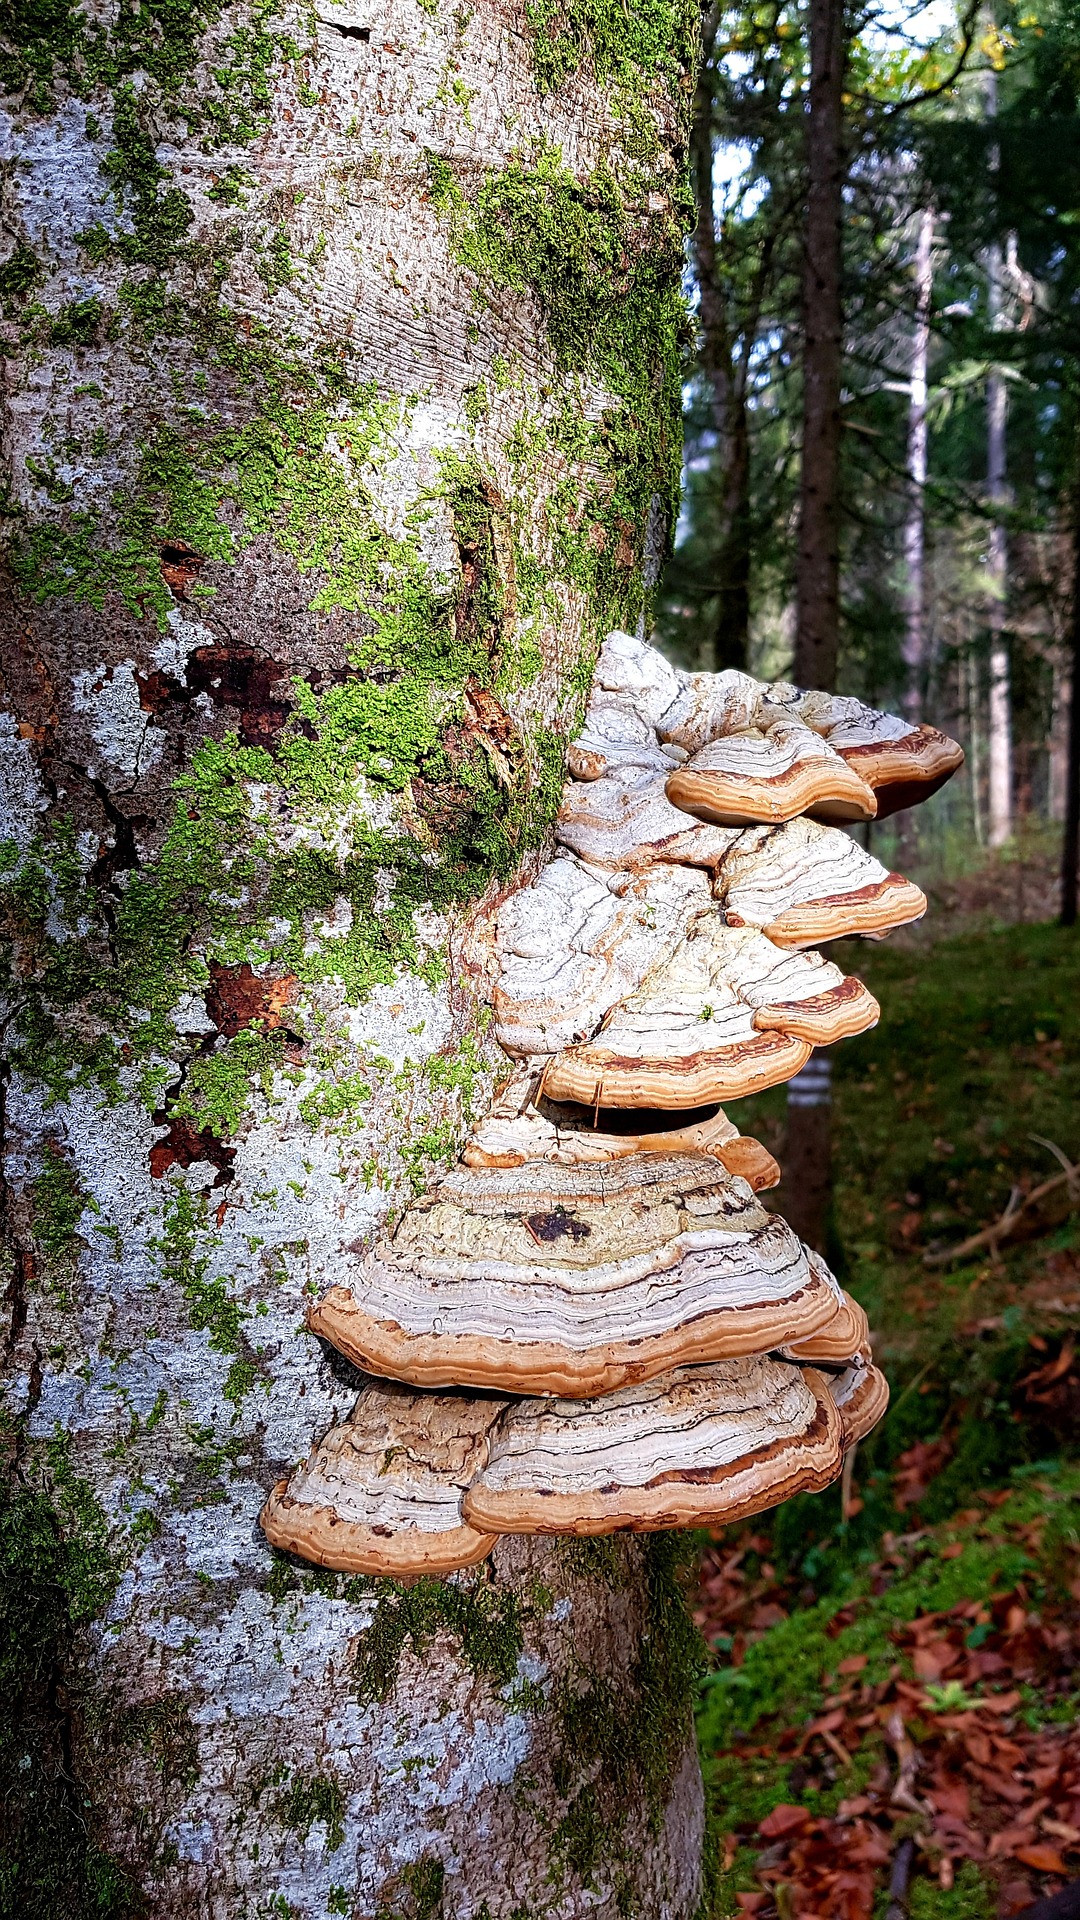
{"x":978,"y":1049}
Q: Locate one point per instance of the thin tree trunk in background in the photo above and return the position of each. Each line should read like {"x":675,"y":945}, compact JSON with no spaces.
{"x":975,"y":749}
{"x":915,"y":525}
{"x":808,"y":1159}
{"x":806,"y":1192}
{"x":999,"y":705}
{"x":725,"y":628}
{"x":297,"y":618}
{"x":817,"y":579}
{"x":1070,"y":850}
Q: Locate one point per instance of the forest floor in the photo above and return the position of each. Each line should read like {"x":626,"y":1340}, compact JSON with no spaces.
{"x":892,"y":1692}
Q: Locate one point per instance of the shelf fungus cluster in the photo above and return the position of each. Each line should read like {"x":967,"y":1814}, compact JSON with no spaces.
{"x":593,"y":1322}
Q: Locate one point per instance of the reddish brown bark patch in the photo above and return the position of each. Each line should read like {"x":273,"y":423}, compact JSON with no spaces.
{"x":184,"y":1144}
{"x":180,"y":567}
{"x":238,"y":997}
{"x":234,"y":677}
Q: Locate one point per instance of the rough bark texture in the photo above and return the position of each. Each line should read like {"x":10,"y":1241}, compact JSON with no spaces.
{"x":817,"y":580}
{"x":726,"y":612}
{"x":1070,"y":844}
{"x":918,"y":436}
{"x":342,"y":418}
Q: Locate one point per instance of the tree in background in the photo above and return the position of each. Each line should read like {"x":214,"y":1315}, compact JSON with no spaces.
{"x":994,"y":648}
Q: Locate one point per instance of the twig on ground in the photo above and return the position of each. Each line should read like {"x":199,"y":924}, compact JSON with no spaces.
{"x":1002,"y":1229}
{"x":900,"y":1879}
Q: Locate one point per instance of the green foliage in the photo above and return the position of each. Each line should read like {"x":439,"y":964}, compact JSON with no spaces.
{"x":20,"y":276}
{"x":604,"y":269}
{"x":160,"y":214}
{"x":935,"y":1111}
{"x":58,"y":1202}
{"x":77,"y":324}
{"x":971,"y":1897}
{"x":789,"y":1670}
{"x":49,"y":41}
{"x":218,"y":1086}
{"x":627,"y":1742}
{"x":211,"y":1306}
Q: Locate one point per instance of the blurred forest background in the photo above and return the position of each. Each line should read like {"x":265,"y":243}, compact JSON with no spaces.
{"x":885,"y":276}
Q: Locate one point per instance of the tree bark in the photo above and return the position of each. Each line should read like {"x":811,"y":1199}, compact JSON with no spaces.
{"x":726,"y":615}
{"x":1070,"y":843}
{"x":999,"y":707}
{"x":342,"y":419}
{"x":918,"y":424}
{"x":817,"y":584}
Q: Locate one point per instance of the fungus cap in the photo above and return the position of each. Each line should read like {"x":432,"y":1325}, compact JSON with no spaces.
{"x":578,"y":940}
{"x":861,"y":1395}
{"x":725,"y":1015}
{"x":523,"y":1125}
{"x":382,"y":1493}
{"x":844,"y":1336}
{"x":702,"y":1446}
{"x":624,"y":819}
{"x":750,"y":777}
{"x":575,"y":1280}
{"x":803,"y":883}
{"x":616,"y":734}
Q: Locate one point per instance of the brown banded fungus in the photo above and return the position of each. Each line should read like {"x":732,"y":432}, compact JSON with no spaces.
{"x":841,"y":1338}
{"x":744,"y":778}
{"x":624,"y":819}
{"x":629,"y":1338}
{"x":861,"y":1394}
{"x":576,"y":1280}
{"x":382,"y":1493}
{"x":749,"y":758}
{"x":702,"y":1446}
{"x":803,"y":884}
{"x":726,"y":1015}
{"x":523,"y":1124}
{"x":577,"y":942}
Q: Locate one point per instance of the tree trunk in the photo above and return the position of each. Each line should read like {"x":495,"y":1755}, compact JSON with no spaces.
{"x":808,"y":1159}
{"x":915,"y":525}
{"x":999,"y":707}
{"x":817,"y":584}
{"x":726,"y":620}
{"x":1070,"y":845}
{"x":343,"y":419}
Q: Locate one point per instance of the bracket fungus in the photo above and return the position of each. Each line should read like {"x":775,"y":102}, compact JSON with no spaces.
{"x":861,"y":1394}
{"x":802,"y":883}
{"x":726,"y":1015}
{"x":576,"y":1280}
{"x":591,"y":1322}
{"x":578,"y":941}
{"x":744,"y":778}
{"x":700,"y":1447}
{"x":382,"y":1492}
{"x":523,"y":1124}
